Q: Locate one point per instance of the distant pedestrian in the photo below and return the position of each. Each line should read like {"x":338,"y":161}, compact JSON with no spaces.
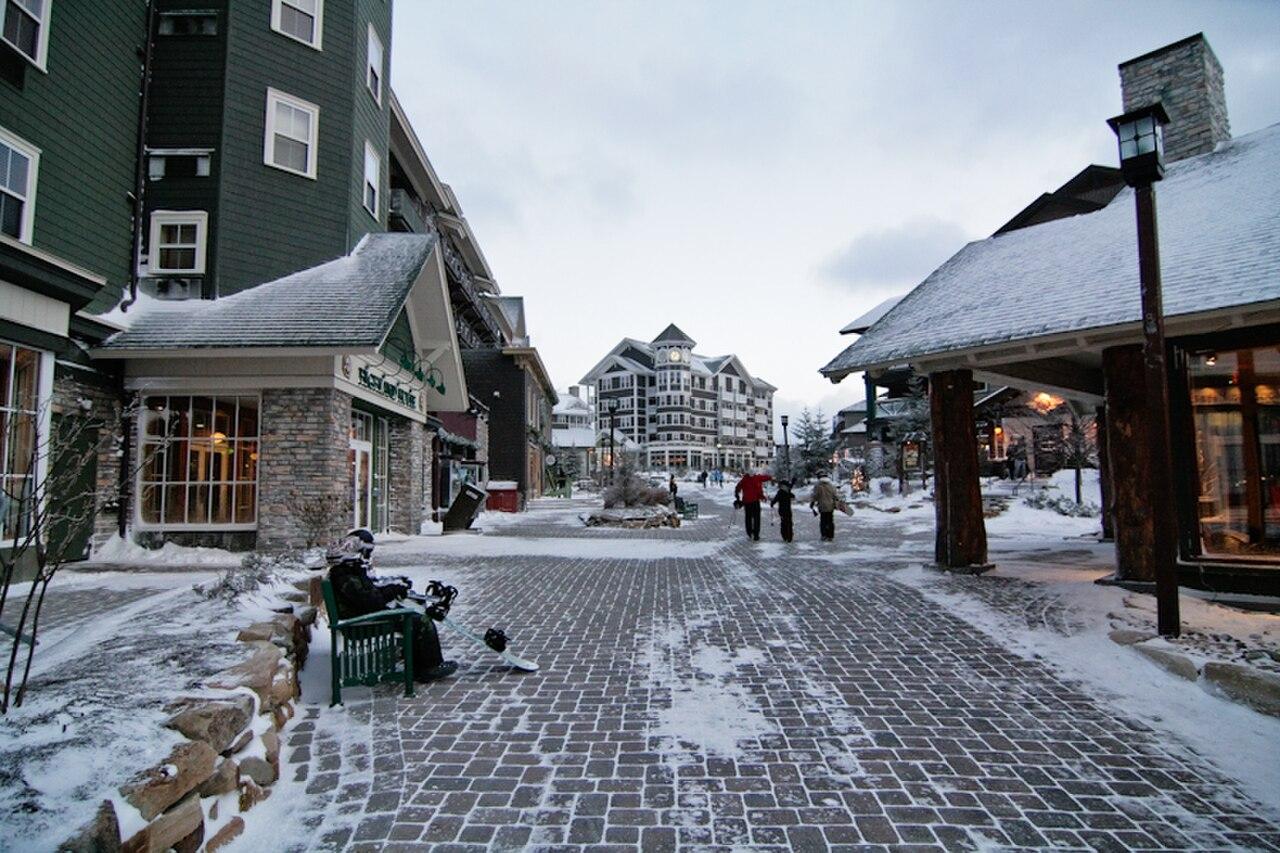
{"x":702,"y":479}
{"x":673,"y":488}
{"x":823,"y":502}
{"x":748,"y":494}
{"x":782,"y":501}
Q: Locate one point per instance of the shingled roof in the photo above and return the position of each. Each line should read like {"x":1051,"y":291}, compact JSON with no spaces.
{"x":673,"y":334}
{"x":348,"y":303}
{"x":1219,"y":224}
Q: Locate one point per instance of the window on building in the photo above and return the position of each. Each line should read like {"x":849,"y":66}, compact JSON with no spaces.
{"x":299,"y":19}
{"x":196,"y":22}
{"x":18,"y":162}
{"x":1235,"y":401}
{"x":178,"y":163}
{"x":19,"y":413}
{"x":373,"y":75}
{"x":292,"y":126}
{"x":178,"y":239}
{"x":26,"y":28}
{"x":199,"y":461}
{"x":372,"y":179}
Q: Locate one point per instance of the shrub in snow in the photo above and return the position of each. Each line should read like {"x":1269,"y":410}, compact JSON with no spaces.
{"x":255,"y":571}
{"x":1062,"y":505}
{"x":628,"y":489}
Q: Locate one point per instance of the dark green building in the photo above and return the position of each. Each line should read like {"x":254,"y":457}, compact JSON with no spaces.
{"x":267,"y":128}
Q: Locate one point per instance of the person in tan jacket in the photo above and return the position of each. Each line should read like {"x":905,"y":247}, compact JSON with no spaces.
{"x":823,"y":502}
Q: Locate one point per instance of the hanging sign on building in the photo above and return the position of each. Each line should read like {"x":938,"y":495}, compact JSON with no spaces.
{"x":382,"y":381}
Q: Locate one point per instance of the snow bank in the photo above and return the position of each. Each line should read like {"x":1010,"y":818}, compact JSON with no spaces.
{"x":124,"y":551}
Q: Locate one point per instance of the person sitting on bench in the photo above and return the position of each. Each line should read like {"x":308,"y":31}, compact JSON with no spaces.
{"x":357,"y":592}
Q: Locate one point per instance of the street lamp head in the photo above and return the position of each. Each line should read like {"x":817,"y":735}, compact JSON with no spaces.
{"x":612,"y":405}
{"x":1140,"y":134}
{"x":784,"y":421}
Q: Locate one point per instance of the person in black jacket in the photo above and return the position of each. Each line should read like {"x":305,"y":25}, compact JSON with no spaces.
{"x":782,"y":501}
{"x":357,"y":593}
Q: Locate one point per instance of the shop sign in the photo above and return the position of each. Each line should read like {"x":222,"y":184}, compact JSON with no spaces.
{"x":393,"y":391}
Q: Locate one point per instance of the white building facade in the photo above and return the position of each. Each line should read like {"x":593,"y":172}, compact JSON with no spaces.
{"x":685,"y":411}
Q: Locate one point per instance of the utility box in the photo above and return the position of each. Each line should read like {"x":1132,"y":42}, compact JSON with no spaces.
{"x":465,"y":507}
{"x":504,"y":496}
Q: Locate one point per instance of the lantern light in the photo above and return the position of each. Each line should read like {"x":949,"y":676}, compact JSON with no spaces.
{"x":1140,"y":136}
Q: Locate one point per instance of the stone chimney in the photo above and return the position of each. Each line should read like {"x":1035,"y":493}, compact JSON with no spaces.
{"x":573,"y":392}
{"x":1187,"y":79}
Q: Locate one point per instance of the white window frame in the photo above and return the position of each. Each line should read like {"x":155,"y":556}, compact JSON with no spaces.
{"x":275,"y":96}
{"x":42,"y":46}
{"x":277,"y":7}
{"x":32,"y":154}
{"x":369,"y":153}
{"x":198,"y":218}
{"x":140,"y":443}
{"x":371,"y":69}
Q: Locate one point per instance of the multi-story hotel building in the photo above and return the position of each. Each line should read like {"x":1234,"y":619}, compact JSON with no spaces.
{"x":684,"y":410}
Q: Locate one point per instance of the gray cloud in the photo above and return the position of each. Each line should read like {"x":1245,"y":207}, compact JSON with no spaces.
{"x":897,"y":256}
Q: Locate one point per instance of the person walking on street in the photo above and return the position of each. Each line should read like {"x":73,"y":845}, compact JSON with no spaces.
{"x":823,"y":502}
{"x":673,"y":488}
{"x":748,"y":494}
{"x":702,"y":479}
{"x":782,"y":500}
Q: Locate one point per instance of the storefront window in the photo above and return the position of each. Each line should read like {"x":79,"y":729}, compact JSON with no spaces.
{"x":199,"y":461}
{"x":19,"y":398}
{"x":1235,"y":401}
{"x":368,"y":464}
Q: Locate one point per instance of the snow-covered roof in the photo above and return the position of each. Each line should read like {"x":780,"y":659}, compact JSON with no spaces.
{"x":350,"y":302}
{"x":579,"y":436}
{"x":571,"y":405}
{"x":1219,"y":226}
{"x":672,"y":334}
{"x":861,"y":324}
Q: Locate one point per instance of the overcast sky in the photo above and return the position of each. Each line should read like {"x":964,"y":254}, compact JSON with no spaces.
{"x":762,"y":173}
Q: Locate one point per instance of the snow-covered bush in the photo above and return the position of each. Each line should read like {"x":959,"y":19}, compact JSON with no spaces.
{"x":629,"y":489}
{"x":255,"y":570}
{"x":1062,"y":505}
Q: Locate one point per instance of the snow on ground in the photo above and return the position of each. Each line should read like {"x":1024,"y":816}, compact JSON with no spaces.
{"x":1141,"y":689}
{"x":116,"y":648}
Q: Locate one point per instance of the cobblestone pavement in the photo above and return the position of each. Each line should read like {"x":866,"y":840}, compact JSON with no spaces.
{"x":742,"y":699}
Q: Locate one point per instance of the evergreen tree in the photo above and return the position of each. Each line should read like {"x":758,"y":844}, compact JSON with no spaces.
{"x":814,"y":445}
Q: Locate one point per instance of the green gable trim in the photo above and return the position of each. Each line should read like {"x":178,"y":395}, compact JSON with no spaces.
{"x":42,"y":275}
{"x":29,"y":337}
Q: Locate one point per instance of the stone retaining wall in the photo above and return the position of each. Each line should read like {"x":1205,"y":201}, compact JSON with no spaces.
{"x":194,"y":799}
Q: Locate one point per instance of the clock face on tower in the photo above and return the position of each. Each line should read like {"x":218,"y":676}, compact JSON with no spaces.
{"x":674,"y":355}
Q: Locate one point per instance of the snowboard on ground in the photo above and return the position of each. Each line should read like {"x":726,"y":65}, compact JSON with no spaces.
{"x":495,"y":641}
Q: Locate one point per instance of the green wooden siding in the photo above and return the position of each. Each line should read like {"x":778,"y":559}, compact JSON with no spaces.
{"x":371,"y":122}
{"x":83,"y":116}
{"x":273,"y":222}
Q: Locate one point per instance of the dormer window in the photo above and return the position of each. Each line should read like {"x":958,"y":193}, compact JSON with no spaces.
{"x":178,"y":163}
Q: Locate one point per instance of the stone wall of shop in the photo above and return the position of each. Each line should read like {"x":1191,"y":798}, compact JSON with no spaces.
{"x":94,"y":397}
{"x":304,"y":485}
{"x":408,"y":478}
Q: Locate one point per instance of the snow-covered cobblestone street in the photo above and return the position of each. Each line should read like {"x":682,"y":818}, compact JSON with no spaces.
{"x":698,"y":690}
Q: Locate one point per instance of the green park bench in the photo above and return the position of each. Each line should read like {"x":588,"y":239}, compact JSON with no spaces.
{"x":689,"y":510}
{"x":374,"y":648}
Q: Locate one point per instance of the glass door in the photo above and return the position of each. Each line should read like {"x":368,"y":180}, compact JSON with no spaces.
{"x":361,"y":461}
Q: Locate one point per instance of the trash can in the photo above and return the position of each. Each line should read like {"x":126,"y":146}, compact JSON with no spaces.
{"x":465,"y":507}
{"x":504,"y":496}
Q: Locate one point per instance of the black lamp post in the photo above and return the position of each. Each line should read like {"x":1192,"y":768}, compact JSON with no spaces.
{"x":613,"y":419}
{"x":786,"y":448}
{"x":1140,"y":135}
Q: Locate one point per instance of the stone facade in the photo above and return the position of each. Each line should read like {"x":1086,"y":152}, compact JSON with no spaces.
{"x":408,"y":452}
{"x":303,"y":471}
{"x":1187,"y":79}
{"x":88,"y":394}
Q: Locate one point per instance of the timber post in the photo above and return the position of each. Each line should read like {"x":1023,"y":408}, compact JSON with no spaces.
{"x":961,"y":532}
{"x":1130,"y":462}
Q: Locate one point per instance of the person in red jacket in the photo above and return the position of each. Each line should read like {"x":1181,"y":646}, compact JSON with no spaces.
{"x":748,"y":494}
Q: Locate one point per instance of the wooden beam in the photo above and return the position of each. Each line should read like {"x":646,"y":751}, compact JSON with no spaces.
{"x":1077,"y":380}
{"x":961,"y":540}
{"x":1130,"y":461}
